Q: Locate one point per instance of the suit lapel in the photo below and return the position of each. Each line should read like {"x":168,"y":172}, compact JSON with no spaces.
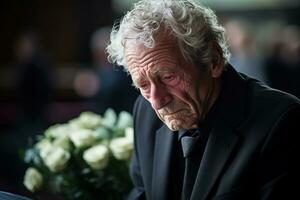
{"x":220,"y":145}
{"x":165,"y":140}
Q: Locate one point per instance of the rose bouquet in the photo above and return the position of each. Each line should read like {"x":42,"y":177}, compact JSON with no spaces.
{"x":86,"y":158}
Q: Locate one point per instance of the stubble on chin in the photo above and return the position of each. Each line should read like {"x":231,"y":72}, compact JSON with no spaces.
{"x":183,"y":119}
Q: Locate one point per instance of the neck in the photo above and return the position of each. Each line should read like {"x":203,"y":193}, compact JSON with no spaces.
{"x":211,"y":98}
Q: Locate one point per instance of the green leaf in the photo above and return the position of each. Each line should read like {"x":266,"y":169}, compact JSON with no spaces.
{"x":102,"y":133}
{"x":125,"y":120}
{"x":29,"y":156}
{"x":86,"y":171}
{"x":110,"y":118}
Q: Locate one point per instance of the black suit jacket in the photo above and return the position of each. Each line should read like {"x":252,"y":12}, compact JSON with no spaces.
{"x":248,"y":151}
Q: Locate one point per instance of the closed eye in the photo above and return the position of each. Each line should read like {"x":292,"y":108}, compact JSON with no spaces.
{"x":143,"y":85}
{"x":168,"y":78}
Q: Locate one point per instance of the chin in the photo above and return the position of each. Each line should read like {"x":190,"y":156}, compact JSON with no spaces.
{"x":172,"y":127}
{"x":175,"y":125}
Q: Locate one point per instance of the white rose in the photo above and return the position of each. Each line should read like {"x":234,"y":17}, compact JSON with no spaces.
{"x":86,"y":120}
{"x":33,"y":179}
{"x":44,"y":146}
{"x":82,"y":137}
{"x":55,"y":158}
{"x":63,"y":142}
{"x":90,"y":120}
{"x":57,"y":130}
{"x":74,"y":124}
{"x":121,"y":148}
{"x":129,"y":133}
{"x":97,"y":156}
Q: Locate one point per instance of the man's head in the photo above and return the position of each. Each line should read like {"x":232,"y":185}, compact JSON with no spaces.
{"x":175,"y":52}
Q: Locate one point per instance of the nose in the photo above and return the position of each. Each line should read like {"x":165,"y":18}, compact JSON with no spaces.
{"x":159,"y":96}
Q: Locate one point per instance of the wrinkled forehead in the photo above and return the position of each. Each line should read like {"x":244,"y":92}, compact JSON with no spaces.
{"x":132,"y":46}
{"x":136,"y":51}
{"x":162,"y":54}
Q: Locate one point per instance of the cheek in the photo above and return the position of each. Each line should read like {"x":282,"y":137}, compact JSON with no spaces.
{"x":185,"y":89}
{"x":181,"y":93}
{"x":187,"y":93}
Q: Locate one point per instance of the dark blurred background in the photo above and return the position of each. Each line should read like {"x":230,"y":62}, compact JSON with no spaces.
{"x":52,"y":63}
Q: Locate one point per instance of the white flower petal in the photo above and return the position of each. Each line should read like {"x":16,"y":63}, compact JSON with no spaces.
{"x":33,"y":179}
{"x":97,"y":157}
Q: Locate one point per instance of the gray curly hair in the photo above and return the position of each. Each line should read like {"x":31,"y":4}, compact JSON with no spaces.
{"x":195,"y":28}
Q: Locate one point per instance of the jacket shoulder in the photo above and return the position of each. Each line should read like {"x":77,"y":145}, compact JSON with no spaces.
{"x":267,"y":100}
{"x":146,"y":122}
{"x":267,"y":107}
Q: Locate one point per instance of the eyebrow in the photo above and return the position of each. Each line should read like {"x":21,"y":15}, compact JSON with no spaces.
{"x":166,"y":69}
{"x":136,"y":82}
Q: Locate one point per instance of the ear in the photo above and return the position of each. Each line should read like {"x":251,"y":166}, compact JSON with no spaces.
{"x":216,"y":70}
{"x":217,"y":65}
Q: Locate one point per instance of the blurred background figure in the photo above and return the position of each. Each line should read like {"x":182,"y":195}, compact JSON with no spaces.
{"x":33,"y":91}
{"x":242,"y":43}
{"x":108,"y":85}
{"x":34,"y":83}
{"x":283,"y":61}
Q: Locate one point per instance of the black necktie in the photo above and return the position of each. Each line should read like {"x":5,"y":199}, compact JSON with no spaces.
{"x":189,"y":144}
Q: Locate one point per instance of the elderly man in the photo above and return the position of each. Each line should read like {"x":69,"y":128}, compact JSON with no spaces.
{"x":202,"y":130}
